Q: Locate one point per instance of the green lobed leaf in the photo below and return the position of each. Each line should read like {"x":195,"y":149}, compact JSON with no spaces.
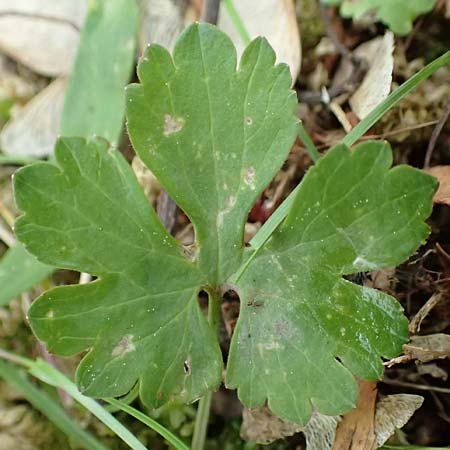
{"x":303,"y":331}
{"x":398,"y":15}
{"x":213,"y":136}
{"x":94,"y":105}
{"x":141,"y":318}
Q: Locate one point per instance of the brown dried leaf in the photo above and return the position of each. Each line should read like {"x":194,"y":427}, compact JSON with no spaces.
{"x":428,"y":348}
{"x":383,"y":279}
{"x":356,"y":430}
{"x":393,"y":412}
{"x":261,"y":426}
{"x":442,"y":173}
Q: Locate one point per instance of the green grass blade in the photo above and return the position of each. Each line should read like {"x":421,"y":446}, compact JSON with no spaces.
{"x":48,"y":374}
{"x":151,"y":423}
{"x":308,"y":142}
{"x":41,"y":401}
{"x":393,"y":98}
{"x":94,"y":103}
{"x":237,"y":22}
{"x":20,"y":271}
{"x":126,"y":399}
{"x":277,"y":217}
{"x":273,"y":221}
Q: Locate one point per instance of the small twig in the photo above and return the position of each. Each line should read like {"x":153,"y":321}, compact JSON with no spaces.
{"x":434,"y":136}
{"x":342,"y":49}
{"x":442,"y":413}
{"x":359,"y":67}
{"x":381,"y":136}
{"x":39,"y":16}
{"x":442,"y":251}
{"x":413,"y":33}
{"x":210,"y":12}
{"x":420,"y":387}
{"x":340,"y":115}
{"x":6,"y":236}
{"x":415,"y":323}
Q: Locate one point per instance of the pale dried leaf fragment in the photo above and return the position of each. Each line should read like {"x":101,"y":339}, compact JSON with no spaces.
{"x":428,"y":348}
{"x":14,"y":85}
{"x":376,"y":84}
{"x":433,"y":370}
{"x":161,"y":22}
{"x":393,"y":412}
{"x":263,"y":427}
{"x":442,"y":173}
{"x":320,"y":432}
{"x":34,"y":129}
{"x":41,"y":34}
{"x":275,"y":20}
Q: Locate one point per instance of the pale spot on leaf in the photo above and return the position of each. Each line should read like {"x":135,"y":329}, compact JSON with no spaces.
{"x":124,"y":346}
{"x":249,"y":178}
{"x":172,"y":124}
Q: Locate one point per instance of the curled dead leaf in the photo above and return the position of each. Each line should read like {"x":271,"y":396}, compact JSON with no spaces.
{"x":261,"y":426}
{"x":393,"y":412}
{"x":433,"y":370}
{"x":41,"y":34}
{"x":376,"y":84}
{"x":442,"y":173}
{"x":428,"y":348}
